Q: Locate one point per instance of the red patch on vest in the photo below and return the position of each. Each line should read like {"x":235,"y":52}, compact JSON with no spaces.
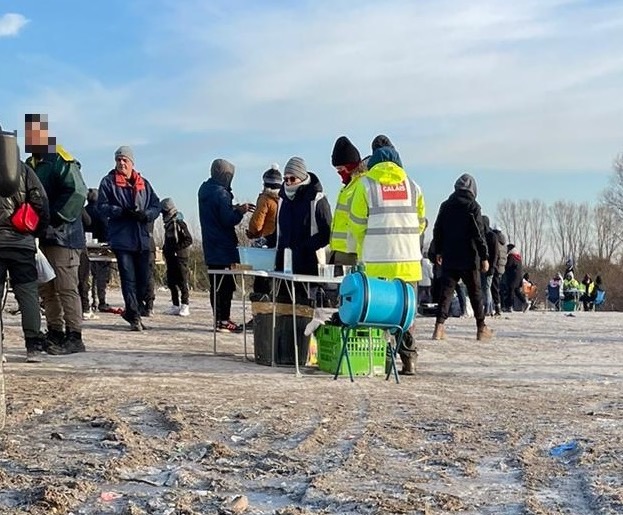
{"x":394,"y":191}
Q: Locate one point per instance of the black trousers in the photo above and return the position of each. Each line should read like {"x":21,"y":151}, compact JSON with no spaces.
{"x":222,"y":287}
{"x":150,"y":293}
{"x":449,"y":280}
{"x":495,"y":291}
{"x":177,"y":279}
{"x":22,"y":270}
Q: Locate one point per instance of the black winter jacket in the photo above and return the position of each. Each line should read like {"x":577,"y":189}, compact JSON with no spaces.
{"x":295,"y":226}
{"x":30,"y":190}
{"x":459,"y":233}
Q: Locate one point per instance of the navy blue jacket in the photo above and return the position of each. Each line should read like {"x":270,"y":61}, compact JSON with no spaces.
{"x":218,"y":220}
{"x":115,"y":200}
{"x":295,"y":223}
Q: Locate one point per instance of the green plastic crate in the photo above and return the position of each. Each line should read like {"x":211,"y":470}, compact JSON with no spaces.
{"x":329,"y":340}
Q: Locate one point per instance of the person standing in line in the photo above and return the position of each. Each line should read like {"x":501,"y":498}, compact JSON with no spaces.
{"x":176,"y":252}
{"x":499,"y":266}
{"x":387,"y":215}
{"x":63,"y":241}
{"x":129,"y":202}
{"x":486,"y":278}
{"x":461,"y":252}
{"x":219,"y":217}
{"x":347,"y":162}
{"x":17,"y":241}
{"x":100,"y":270}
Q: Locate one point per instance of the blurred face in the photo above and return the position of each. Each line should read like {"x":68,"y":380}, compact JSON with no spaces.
{"x":124,"y":165}
{"x":290,"y":180}
{"x":36,"y":135}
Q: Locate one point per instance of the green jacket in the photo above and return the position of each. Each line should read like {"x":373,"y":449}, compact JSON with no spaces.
{"x":61,"y":177}
{"x":67,"y":192}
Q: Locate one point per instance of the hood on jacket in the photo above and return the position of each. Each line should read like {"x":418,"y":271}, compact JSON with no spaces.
{"x":381,"y":141}
{"x":383,"y":155}
{"x":486,"y":223}
{"x":466,"y":183}
{"x":92,"y":195}
{"x":387,"y":173}
{"x":222,"y":171}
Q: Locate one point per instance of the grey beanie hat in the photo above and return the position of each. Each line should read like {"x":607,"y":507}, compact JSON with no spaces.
{"x":466,"y":183}
{"x":272,"y":176}
{"x":167,"y":205}
{"x":125,"y":151}
{"x":296,"y":167}
{"x":222,"y":171}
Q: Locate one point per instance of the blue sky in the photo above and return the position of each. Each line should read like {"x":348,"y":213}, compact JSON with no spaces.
{"x":526,"y":95}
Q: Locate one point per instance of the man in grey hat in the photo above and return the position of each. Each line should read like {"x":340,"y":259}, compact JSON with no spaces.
{"x":130,"y":203}
{"x":219,"y":217}
{"x":461,"y":251}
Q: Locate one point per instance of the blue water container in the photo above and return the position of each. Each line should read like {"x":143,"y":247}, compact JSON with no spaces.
{"x":376,"y":302}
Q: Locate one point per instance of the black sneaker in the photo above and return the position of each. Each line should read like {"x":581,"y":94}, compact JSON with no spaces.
{"x":227,"y":326}
{"x":104,"y":308}
{"x":55,"y":343}
{"x":136,"y":326}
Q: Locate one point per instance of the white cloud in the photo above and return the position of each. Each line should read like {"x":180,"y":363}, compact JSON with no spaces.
{"x":11,"y":24}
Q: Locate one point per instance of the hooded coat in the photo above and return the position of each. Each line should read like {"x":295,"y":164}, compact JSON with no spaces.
{"x":459,"y":231}
{"x":218,"y":217}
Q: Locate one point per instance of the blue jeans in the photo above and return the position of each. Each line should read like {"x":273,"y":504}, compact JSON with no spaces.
{"x":134,"y":275}
{"x":485,"y":286}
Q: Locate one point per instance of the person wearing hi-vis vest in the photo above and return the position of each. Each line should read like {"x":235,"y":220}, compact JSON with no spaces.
{"x":347,"y":162}
{"x":387,"y":214}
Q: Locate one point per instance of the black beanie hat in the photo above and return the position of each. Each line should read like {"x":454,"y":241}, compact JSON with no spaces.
{"x":344,"y":152}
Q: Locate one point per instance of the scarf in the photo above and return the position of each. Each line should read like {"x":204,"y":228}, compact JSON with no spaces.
{"x":291,"y":189}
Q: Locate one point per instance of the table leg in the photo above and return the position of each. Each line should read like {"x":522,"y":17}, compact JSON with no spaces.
{"x":296,"y":344}
{"x":244,"y":322}
{"x":276,"y":284}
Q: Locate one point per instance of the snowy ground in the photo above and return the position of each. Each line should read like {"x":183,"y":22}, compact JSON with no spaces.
{"x":154,"y":422}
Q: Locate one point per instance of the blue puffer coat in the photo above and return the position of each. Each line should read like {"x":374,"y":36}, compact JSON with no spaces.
{"x":115,"y":198}
{"x":218,"y":220}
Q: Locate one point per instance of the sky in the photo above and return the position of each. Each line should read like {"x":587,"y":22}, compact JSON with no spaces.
{"x":525,"y":96}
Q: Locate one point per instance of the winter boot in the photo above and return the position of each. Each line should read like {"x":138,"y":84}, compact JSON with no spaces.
{"x":74,"y":342}
{"x":409,"y":362}
{"x":498,"y":311}
{"x":34,"y":348}
{"x":55,"y":343}
{"x":440,"y":332}
{"x":483,"y":333}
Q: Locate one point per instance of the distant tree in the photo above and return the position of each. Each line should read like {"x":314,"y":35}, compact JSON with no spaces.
{"x":525,"y":222}
{"x":570,"y":229}
{"x":608,"y":232}
{"x":506,"y":217}
{"x":613,"y":194}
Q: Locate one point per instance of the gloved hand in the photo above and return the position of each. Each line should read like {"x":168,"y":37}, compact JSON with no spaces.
{"x":136,"y":215}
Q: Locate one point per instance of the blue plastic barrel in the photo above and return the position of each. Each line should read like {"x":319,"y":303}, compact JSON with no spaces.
{"x":376,"y":302}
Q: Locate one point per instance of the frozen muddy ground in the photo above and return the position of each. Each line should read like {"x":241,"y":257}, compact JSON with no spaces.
{"x":154,"y":422}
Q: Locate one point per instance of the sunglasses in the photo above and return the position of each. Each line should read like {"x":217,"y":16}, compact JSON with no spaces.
{"x":290,"y":179}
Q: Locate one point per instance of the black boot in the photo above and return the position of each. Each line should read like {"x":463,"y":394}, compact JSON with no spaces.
{"x":55,"y":343}
{"x":34,"y":348}
{"x":74,"y":342}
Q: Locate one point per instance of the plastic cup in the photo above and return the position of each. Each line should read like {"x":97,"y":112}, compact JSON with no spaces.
{"x":322,"y":270}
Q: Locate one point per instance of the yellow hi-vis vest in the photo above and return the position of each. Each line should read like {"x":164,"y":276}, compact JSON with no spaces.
{"x":341,"y":217}
{"x":387,"y":240}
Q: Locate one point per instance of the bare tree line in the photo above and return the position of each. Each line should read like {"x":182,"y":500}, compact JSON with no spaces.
{"x":567,"y":229}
